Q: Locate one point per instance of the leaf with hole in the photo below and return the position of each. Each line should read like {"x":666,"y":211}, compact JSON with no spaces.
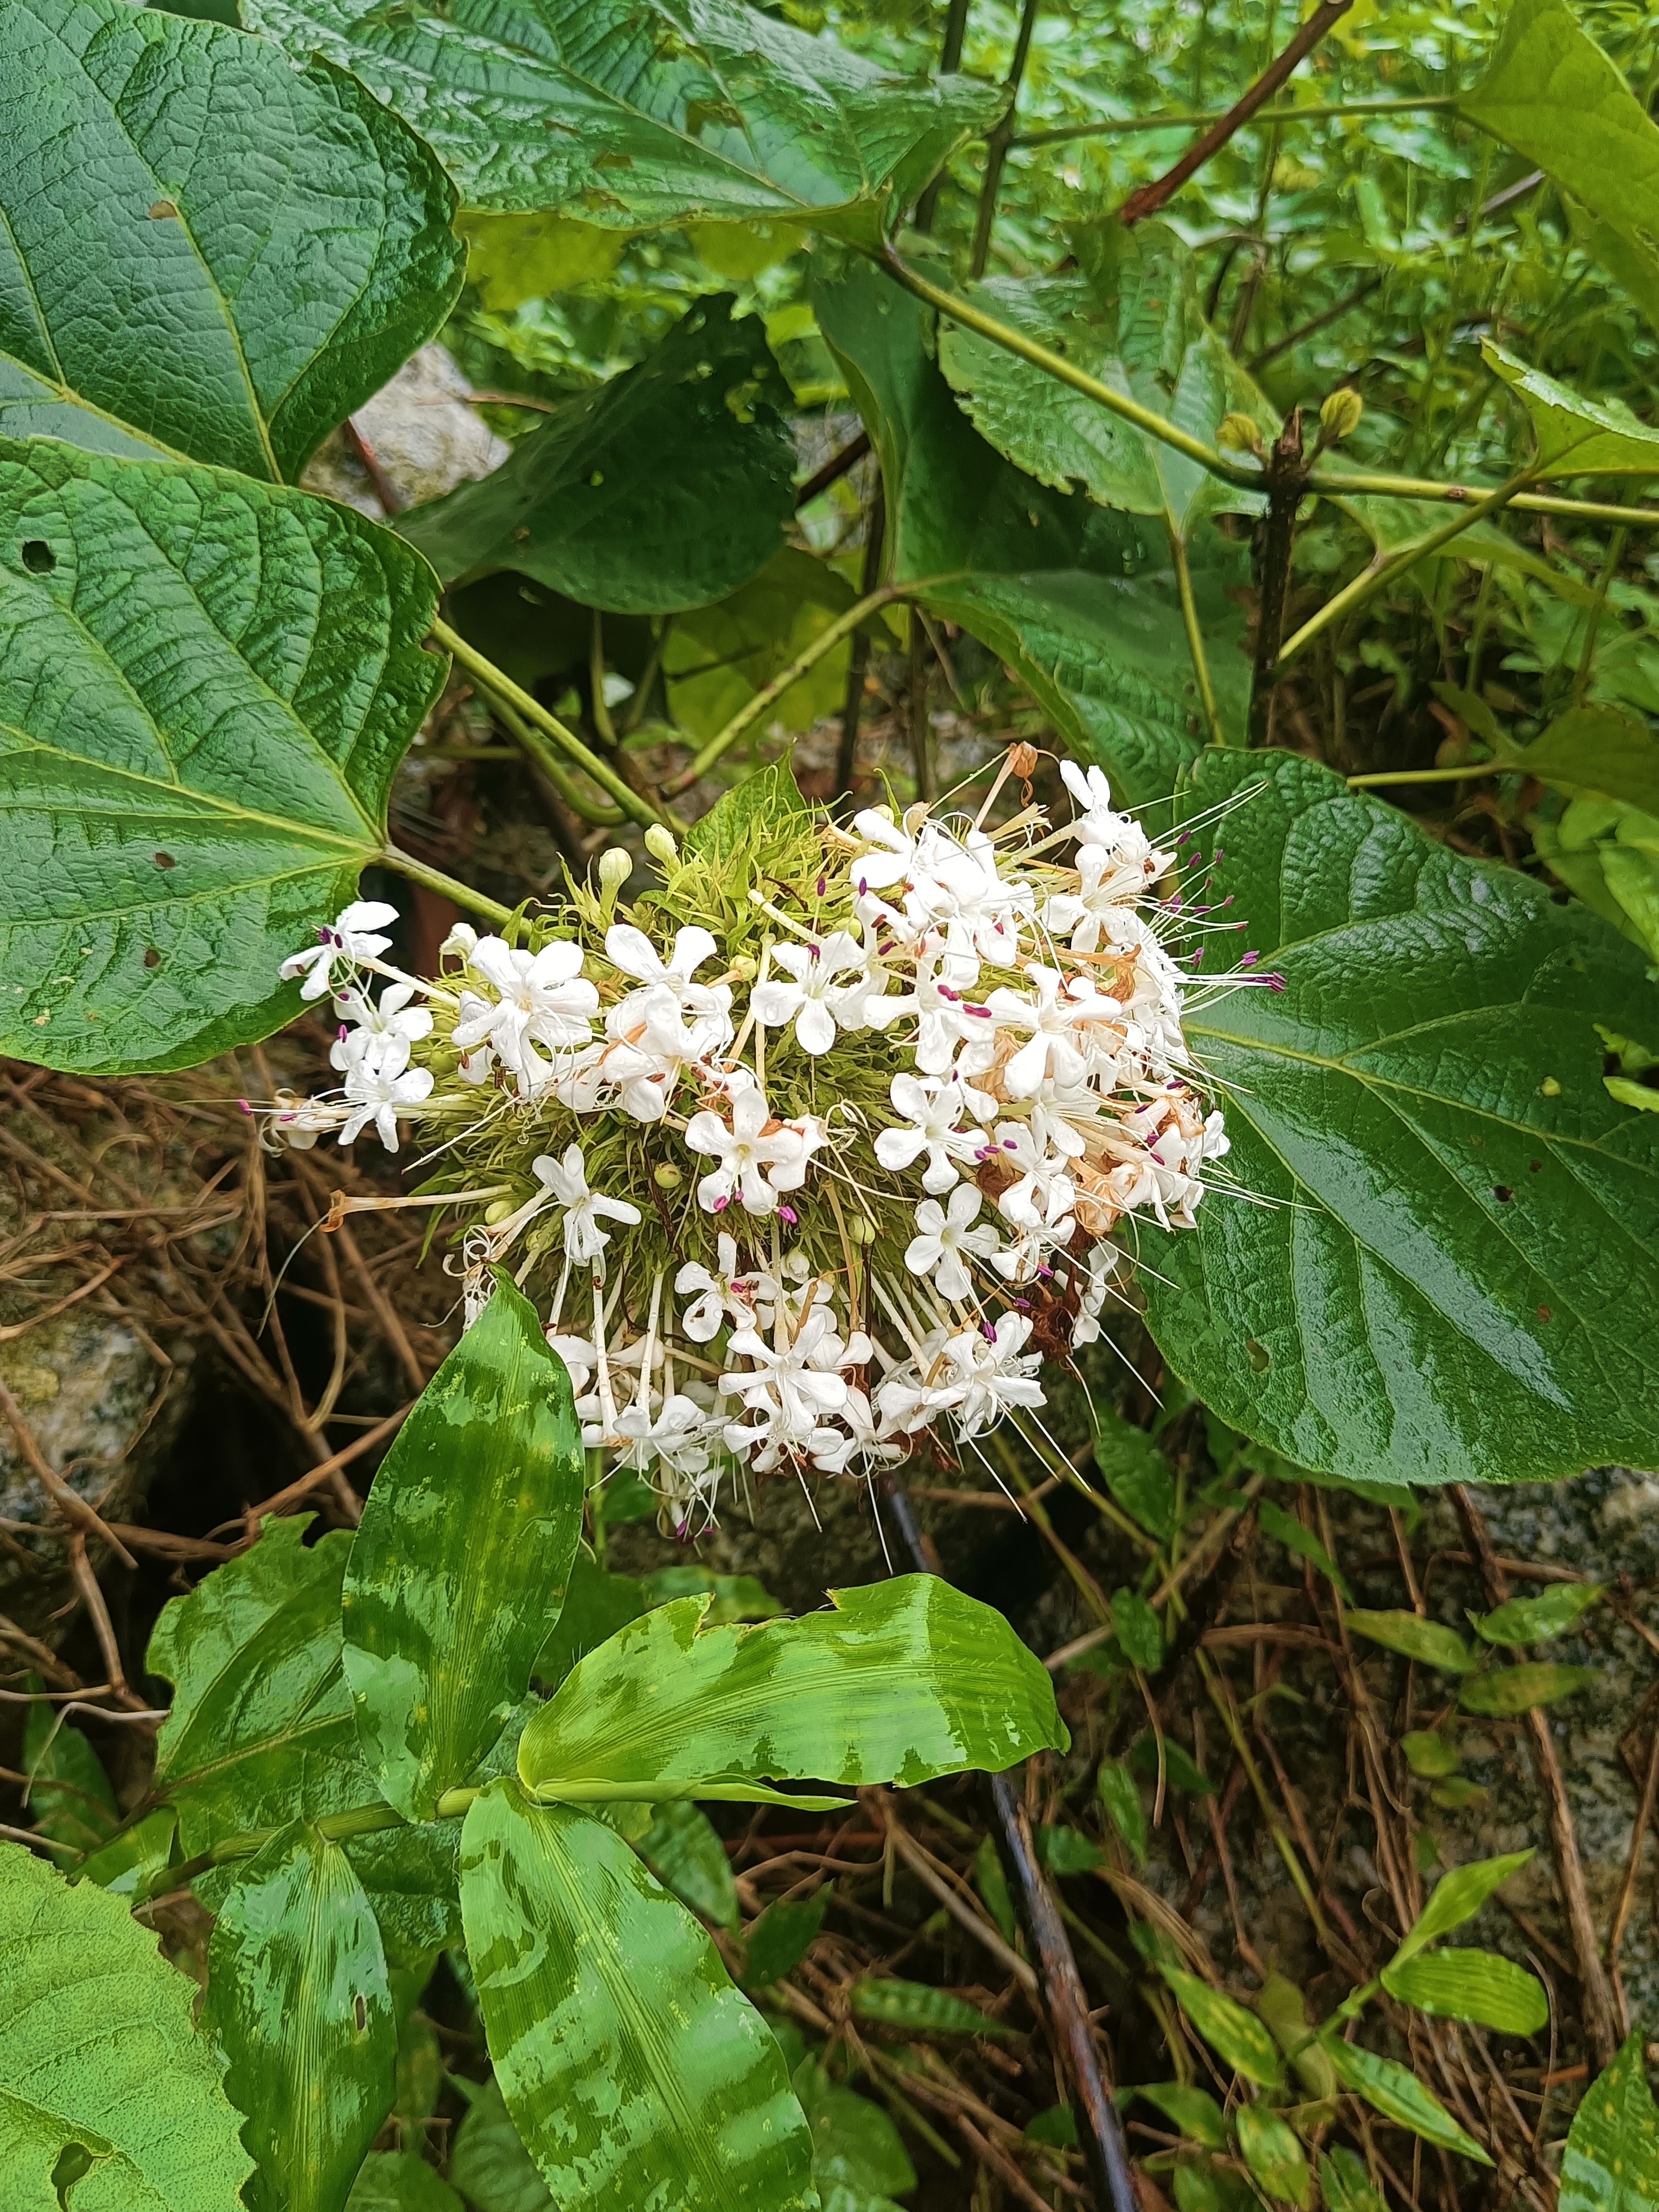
{"x":1477,"y":1985}
{"x":100,"y":2066}
{"x":205,"y":684}
{"x":474,"y":1513}
{"x":635,"y":117}
{"x":609,"y":501}
{"x":1466,"y":1287}
{"x":1505,"y":1691}
{"x":611,"y":2020}
{"x":205,"y":251}
{"x":904,"y":1681}
{"x":298,"y":2001}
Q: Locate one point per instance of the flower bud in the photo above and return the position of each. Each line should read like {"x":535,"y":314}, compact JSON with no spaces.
{"x":860,"y":1232}
{"x":659,"y":843}
{"x":498,"y":1209}
{"x":1237,"y":434}
{"x":745,"y":967}
{"x":667,"y":1176}
{"x":616,"y":867}
{"x":461,"y":943}
{"x":1339,"y":418}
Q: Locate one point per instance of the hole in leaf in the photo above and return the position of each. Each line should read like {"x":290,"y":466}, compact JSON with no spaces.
{"x":152,"y":957}
{"x":38,"y":557}
{"x":75,"y":2163}
{"x":360,"y":2011}
{"x":1534,"y":1167}
{"x":166,"y":860}
{"x":1502,"y":1193}
{"x":1543,"y":1313}
{"x":1258,"y":1355}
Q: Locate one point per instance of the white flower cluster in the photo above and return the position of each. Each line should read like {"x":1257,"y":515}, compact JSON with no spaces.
{"x":1039,"y":1094}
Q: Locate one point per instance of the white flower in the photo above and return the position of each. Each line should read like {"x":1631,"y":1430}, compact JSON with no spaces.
{"x":1042,"y":1194}
{"x":1058,"y":1012}
{"x":808,"y":999}
{"x":956,"y":888}
{"x":378,"y":1087}
{"x":632,"y":951}
{"x":544,"y":1000}
{"x":1100,"y":909}
{"x":345,"y":942}
{"x":579,"y":1356}
{"x":719,"y":1300}
{"x":796,"y":1387}
{"x":759,"y":1157}
{"x":833,"y":1450}
{"x":679,"y":1433}
{"x":933,"y":1106}
{"x":894,"y":861}
{"x":460,"y":943}
{"x":650,"y":1043}
{"x":945,"y":1019}
{"x":1099,"y":822}
{"x":1102,"y":1262}
{"x":945,"y":1241}
{"x":566,"y":1181}
{"x":392,"y":1016}
{"x":992,"y":1373}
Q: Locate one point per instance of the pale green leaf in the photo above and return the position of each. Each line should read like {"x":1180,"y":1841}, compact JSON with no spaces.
{"x":1429,"y":1642}
{"x":1273,"y":2155}
{"x":1577,"y":437}
{"x":400,"y":2181}
{"x":609,"y":500}
{"x":135,"y":1864}
{"x":1506,"y":1690}
{"x":281,"y":242}
{"x":638,"y":2078}
{"x":919,"y":2008}
{"x":1194,"y":2113}
{"x":903,"y":1681}
{"x":1281,"y":2004}
{"x":1476,"y":1985}
{"x":1466,"y":1287}
{"x":1611,"y":2163}
{"x":1431,"y":1756}
{"x":1344,"y":2184}
{"x":299,"y":2002}
{"x":513,"y":257}
{"x":97,"y":2048}
{"x":1121,"y":1798}
{"x":1398,"y":2094}
{"x":205,"y":684}
{"x":635,"y":116}
{"x":1235,"y":2035}
{"x":717,"y":658}
{"x":1457,"y":1897}
{"x":1535,"y":1620}
{"x":474,"y":1513}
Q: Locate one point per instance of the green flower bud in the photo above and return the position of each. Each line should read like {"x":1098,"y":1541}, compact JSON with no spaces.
{"x":1339,"y":418}
{"x":667,"y":1176}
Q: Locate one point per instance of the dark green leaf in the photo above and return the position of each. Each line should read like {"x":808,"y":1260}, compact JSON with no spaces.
{"x":489,"y":2164}
{"x":261,"y":1731}
{"x":919,"y":2008}
{"x":1192,"y":2112}
{"x":1429,"y":1642}
{"x":400,"y":2181}
{"x":637,"y":116}
{"x":856,"y":2146}
{"x":97,"y":2050}
{"x":1488,"y":1229}
{"x":1057,"y":2128}
{"x":1062,"y":1850}
{"x":412,"y":1878}
{"x":717,"y":658}
{"x":1505,"y":1691}
{"x":280,"y":240}
{"x":1612,"y":2160}
{"x":1553,"y":94}
{"x":991,"y":1884}
{"x":474,"y":1513}
{"x":1399,"y":2096}
{"x":595,"y":1606}
{"x":205,"y":683}
{"x":135,"y":1864}
{"x":1138,"y":1631}
{"x":627,"y":1496}
{"x":299,"y":2002}
{"x":1344,"y":2184}
{"x":1457,"y":1897}
{"x":1535,"y":1620}
{"x":1593,"y":752}
{"x":70,"y":1797}
{"x":735,"y":1597}
{"x":1135,"y":1472}
{"x":1180,"y":1770}
{"x":1429,"y":1755}
{"x":1121,"y":1798}
{"x":1272,"y":2154}
{"x":682,"y":1851}
{"x":611,"y":500}
{"x":904,"y":1681}
{"x":1238,"y":2036}
{"x":612,"y":2024}
{"x":1476,"y":1985}
{"x":1285,"y":1528}
{"x":782,"y":1936}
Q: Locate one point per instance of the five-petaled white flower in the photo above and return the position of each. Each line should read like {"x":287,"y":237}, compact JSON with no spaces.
{"x":932,"y":1107}
{"x":378,"y":1086}
{"x":990,"y":1371}
{"x":544,"y":1000}
{"x":945,"y":1241}
{"x":809,"y":1001}
{"x":566,"y":1181}
{"x":759,"y":1157}
{"x":343,"y":942}
{"x":719,"y":1299}
{"x":1059,"y":1011}
{"x":391,"y":1017}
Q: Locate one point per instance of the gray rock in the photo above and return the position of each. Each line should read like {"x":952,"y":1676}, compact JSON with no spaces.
{"x":424,"y":437}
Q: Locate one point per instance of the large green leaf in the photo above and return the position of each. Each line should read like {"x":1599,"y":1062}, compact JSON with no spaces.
{"x":97,"y":2049}
{"x":904,"y":1679}
{"x":1612,"y":2160}
{"x":1553,"y":94}
{"x":205,"y":683}
{"x":1130,"y":316}
{"x":612,"y":501}
{"x":298,"y":2001}
{"x":1576,"y":437}
{"x":203,"y":249}
{"x":261,"y":1731}
{"x":1450,"y":1268}
{"x":1080,"y":601}
{"x":70,"y":1796}
{"x":635,"y":115}
{"x":1478,"y":1985}
{"x":638,"y":2078}
{"x":473,"y":1516}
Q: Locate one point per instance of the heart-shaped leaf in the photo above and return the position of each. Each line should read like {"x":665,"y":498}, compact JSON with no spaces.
{"x":610,"y":502}
{"x":1446,"y":1264}
{"x":636,"y":115}
{"x":205,"y":683}
{"x":635,"y":2073}
{"x":203,"y":249}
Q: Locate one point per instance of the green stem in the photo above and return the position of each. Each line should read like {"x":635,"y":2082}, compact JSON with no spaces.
{"x":500,"y":685}
{"x":1468,"y":773}
{"x":1001,"y":137}
{"x":1119,"y":127}
{"x":595,"y":1472}
{"x":1372,"y":580}
{"x":1593,"y":623}
{"x":533,"y":742}
{"x":825,"y":641}
{"x":1195,"y":638}
{"x":435,"y":880}
{"x":1527,"y":503}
